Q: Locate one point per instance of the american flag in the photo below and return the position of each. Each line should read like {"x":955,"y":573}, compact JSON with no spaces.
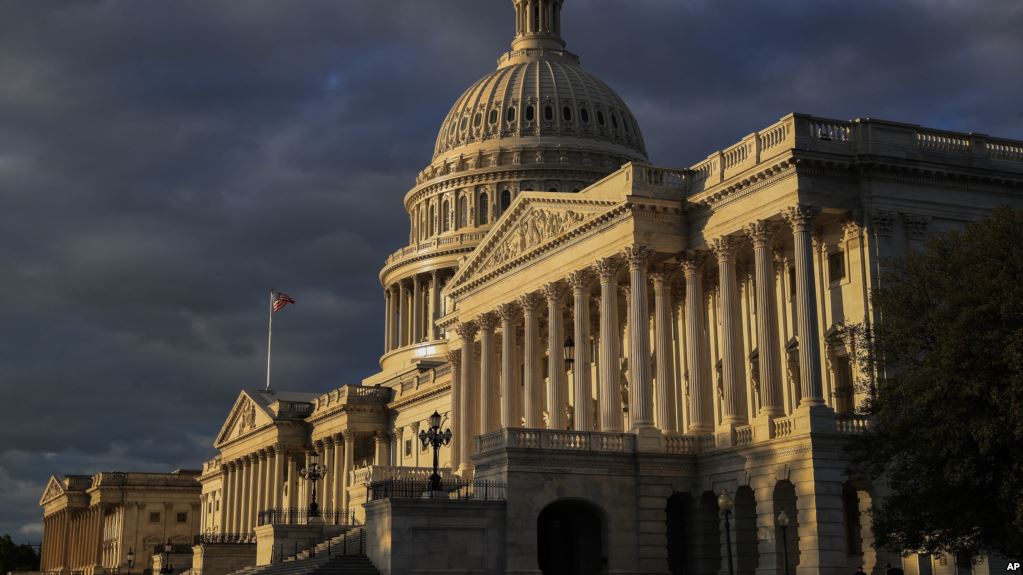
{"x":281,"y":300}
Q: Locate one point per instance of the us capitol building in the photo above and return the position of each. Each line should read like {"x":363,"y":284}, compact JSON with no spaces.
{"x":613,"y":344}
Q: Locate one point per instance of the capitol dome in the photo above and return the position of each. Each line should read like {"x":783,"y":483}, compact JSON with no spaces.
{"x":540,"y":93}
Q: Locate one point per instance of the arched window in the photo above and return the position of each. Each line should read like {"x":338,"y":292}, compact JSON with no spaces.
{"x":463,"y":211}
{"x":566,"y":113}
{"x":477,"y":120}
{"x":484,"y":210}
{"x":584,"y":115}
{"x":493,"y":117}
{"x":511,"y":114}
{"x":548,"y":113}
{"x":446,"y":215}
{"x":530,"y":113}
{"x":505,"y":200}
{"x":600,"y":117}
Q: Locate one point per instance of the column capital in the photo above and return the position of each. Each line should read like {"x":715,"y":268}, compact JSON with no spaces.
{"x":554,"y":291}
{"x":487,"y":321}
{"x":508,"y":311}
{"x":530,"y":303}
{"x":800,"y":217}
{"x":725,"y":248}
{"x":580,"y":280}
{"x":606,"y":268}
{"x":660,"y":275}
{"x":691,"y":262}
{"x":637,"y":256}
{"x":455,"y":359}
{"x":467,"y":331}
{"x":761,"y":232}
{"x":348,"y":435}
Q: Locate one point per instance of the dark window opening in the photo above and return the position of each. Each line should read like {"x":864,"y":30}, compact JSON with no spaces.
{"x":530,"y":113}
{"x":484,"y":209}
{"x":465,"y":122}
{"x":182,"y":517}
{"x":792,"y":281}
{"x":477,"y":120}
{"x":154,"y":517}
{"x":836,"y":266}
{"x":511,"y":114}
{"x":505,"y":200}
{"x":600,"y":117}
{"x":584,"y":115}
{"x":614,"y":121}
{"x":566,"y":113}
{"x":493,"y":117}
{"x":548,"y":113}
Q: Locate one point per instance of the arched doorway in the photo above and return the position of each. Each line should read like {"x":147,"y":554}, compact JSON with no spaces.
{"x":681,"y":541}
{"x":570,"y":538}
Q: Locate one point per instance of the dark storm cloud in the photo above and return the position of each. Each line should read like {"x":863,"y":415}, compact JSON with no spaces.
{"x":162,"y":164}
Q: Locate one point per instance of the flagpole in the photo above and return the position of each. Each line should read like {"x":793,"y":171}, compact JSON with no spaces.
{"x":269,"y":339}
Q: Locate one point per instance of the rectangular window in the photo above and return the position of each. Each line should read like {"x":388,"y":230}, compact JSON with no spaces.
{"x":408,"y":448}
{"x":182,"y":517}
{"x":836,"y":266}
{"x":792,"y":281}
{"x":154,"y":517}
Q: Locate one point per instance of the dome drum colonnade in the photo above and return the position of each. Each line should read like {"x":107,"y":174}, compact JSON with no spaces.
{"x":488,"y":398}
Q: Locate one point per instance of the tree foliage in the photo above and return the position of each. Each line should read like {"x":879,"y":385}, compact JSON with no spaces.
{"x":14,"y":557}
{"x":947,"y":438}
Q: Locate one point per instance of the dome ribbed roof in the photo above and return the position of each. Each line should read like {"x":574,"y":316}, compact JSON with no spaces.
{"x":536,"y":93}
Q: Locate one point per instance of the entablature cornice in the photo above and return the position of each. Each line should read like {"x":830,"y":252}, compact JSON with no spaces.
{"x":396,"y":267}
{"x":500,"y":174}
{"x":437,"y":389}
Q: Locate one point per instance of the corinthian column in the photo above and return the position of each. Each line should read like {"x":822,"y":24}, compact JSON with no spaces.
{"x":387,"y":319}
{"x":639,"y":338}
{"x":665,"y":391}
{"x":732,"y":371}
{"x":610,"y":383}
{"x":697,"y":353}
{"x":761,"y":233}
{"x":455,"y":359}
{"x":470,"y":406}
{"x":403,"y":320}
{"x":533,"y":380}
{"x":417,"y":310}
{"x":801,"y":220}
{"x":557,"y":392}
{"x":580,"y":282}
{"x":511,"y":405}
{"x":488,"y":374}
{"x":434,"y":304}
{"x":346,"y":471}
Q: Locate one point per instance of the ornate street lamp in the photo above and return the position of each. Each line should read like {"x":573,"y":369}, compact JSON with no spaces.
{"x":783,"y":522}
{"x":569,"y":353}
{"x":131,"y":559}
{"x":726,"y":505}
{"x":435,"y":438}
{"x":313,"y":473}
{"x":167,"y":568}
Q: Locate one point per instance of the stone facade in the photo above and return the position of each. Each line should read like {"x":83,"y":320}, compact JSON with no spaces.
{"x":91,"y":523}
{"x":616,"y":342}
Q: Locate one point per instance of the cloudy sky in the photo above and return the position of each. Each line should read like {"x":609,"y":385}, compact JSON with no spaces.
{"x":164,"y":163}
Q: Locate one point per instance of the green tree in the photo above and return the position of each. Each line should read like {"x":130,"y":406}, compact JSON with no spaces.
{"x":947,"y":434}
{"x":14,"y":557}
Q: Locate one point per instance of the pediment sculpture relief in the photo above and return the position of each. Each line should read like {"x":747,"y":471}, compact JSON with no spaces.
{"x":535,"y":228}
{"x":52,"y":490}
{"x":246,"y":418}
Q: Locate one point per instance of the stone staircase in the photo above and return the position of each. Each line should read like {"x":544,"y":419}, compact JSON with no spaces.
{"x":340,"y":555}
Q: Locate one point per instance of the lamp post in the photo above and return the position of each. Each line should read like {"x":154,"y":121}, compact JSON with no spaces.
{"x":167,"y":568}
{"x":783,"y":522}
{"x":131,"y":559}
{"x":726,"y":504}
{"x":570,"y":362}
{"x":435,"y":438}
{"x":313,"y":473}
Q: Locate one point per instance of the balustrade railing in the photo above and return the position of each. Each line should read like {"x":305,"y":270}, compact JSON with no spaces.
{"x":374,"y":473}
{"x":783,"y":426}
{"x":449,"y":489}
{"x":296,"y":516}
{"x":743,"y":435}
{"x":556,"y":439}
{"x":852,"y":424}
{"x":682,"y":444}
{"x":224,"y":539}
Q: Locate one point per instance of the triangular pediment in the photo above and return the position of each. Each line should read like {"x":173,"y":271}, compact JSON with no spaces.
{"x":246,"y":416}
{"x":54,"y":488}
{"x":534,"y":223}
